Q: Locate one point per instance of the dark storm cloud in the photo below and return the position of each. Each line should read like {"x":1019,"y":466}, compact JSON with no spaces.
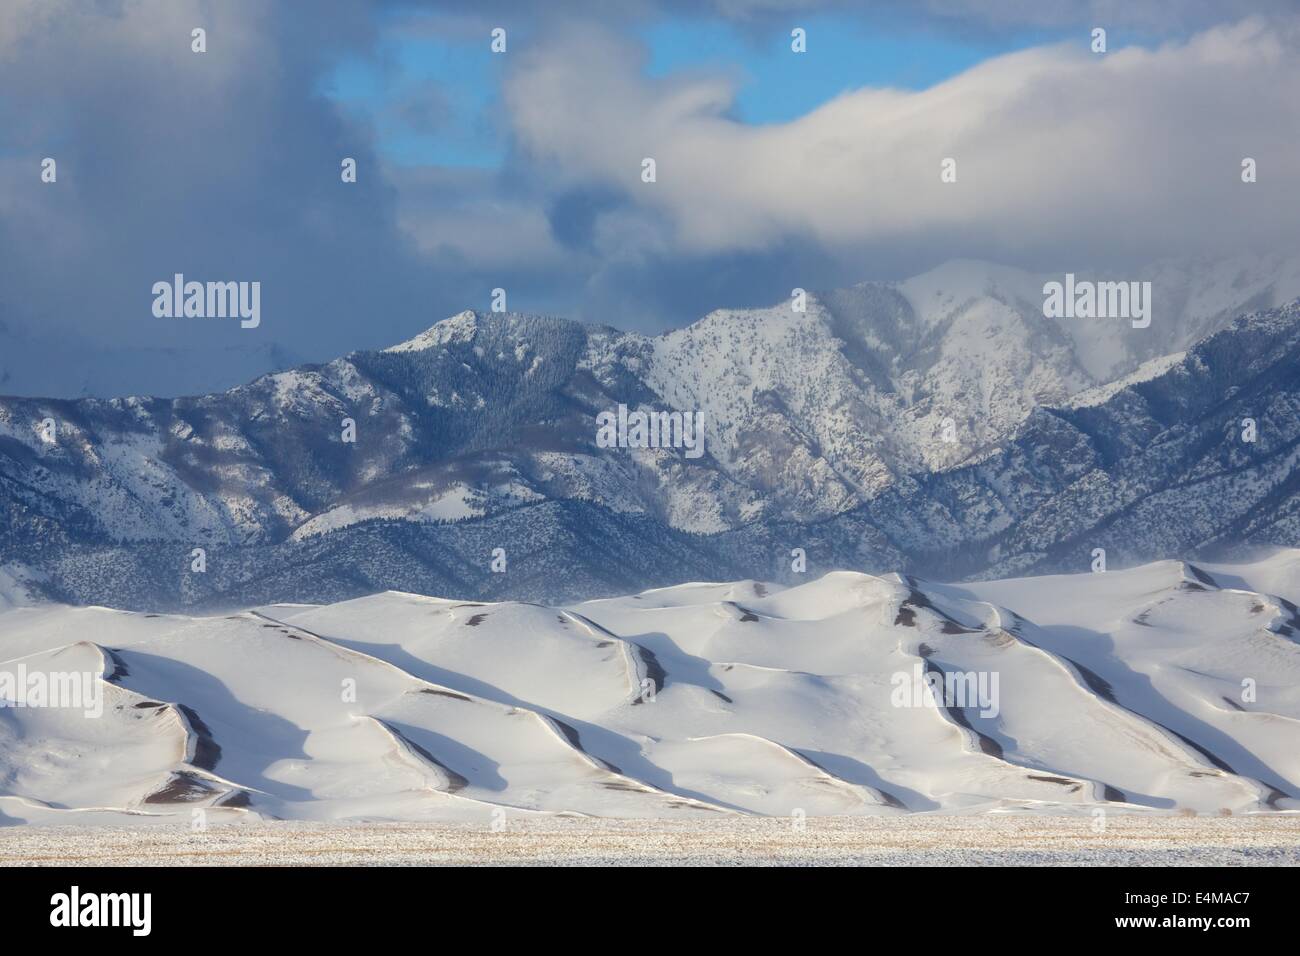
{"x":222,"y":165}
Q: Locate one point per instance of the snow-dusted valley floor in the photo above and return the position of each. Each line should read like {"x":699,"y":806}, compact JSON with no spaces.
{"x":917,"y":839}
{"x":1164,"y":691}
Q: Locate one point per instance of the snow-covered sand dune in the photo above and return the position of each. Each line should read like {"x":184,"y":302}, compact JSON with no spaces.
{"x":1170,"y":687}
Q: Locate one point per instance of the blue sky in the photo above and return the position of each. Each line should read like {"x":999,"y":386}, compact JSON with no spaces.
{"x":775,"y":85}
{"x":843,"y":54}
{"x":455,"y":83}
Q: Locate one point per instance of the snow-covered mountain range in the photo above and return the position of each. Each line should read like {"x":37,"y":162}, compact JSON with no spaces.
{"x":1171,"y":687}
{"x":940,"y":425}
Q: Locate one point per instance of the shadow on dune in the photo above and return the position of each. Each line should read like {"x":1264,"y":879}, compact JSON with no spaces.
{"x":607,"y":746}
{"x":855,"y":771}
{"x":1134,"y":691}
{"x":473,"y":767}
{"x":236,"y":741}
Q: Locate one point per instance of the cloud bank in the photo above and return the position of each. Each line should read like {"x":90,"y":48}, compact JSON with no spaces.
{"x":1059,"y":153}
{"x":225,"y":166}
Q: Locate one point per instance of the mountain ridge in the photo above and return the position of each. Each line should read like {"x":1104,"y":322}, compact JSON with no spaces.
{"x":825,"y":433}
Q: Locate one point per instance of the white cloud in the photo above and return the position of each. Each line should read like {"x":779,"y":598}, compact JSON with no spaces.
{"x":1135,"y":151}
{"x":462,"y":214}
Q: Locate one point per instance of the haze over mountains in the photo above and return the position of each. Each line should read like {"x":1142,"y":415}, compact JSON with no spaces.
{"x":940,"y":425}
{"x":53,"y":365}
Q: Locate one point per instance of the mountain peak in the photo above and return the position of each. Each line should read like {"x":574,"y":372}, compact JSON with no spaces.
{"x":458,"y":328}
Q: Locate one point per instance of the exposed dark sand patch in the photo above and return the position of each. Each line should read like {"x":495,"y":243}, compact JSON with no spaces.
{"x":1000,"y":637}
{"x":746,"y":615}
{"x":654,"y":671}
{"x":721,"y":695}
{"x":907,"y":617}
{"x":476,"y":620}
{"x":916,"y":599}
{"x":1063,"y":781}
{"x":1207,"y":754}
{"x":206,"y":750}
{"x":986,"y":744}
{"x":1291,"y":626}
{"x":433,"y":692}
{"x":575,"y":741}
{"x":120,"y":669}
{"x":182,"y":787}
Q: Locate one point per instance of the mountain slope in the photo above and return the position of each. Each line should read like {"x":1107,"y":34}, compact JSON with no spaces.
{"x":941,"y":425}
